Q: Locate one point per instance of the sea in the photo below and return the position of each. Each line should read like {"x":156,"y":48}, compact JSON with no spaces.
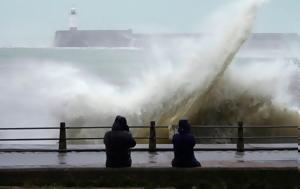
{"x":89,"y":86}
{"x":213,"y":80}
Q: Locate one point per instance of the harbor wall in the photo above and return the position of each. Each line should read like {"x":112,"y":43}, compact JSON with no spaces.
{"x":93,"y":38}
{"x":212,"y":178}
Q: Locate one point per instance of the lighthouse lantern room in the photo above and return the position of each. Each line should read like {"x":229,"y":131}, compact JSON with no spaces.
{"x":73,"y":19}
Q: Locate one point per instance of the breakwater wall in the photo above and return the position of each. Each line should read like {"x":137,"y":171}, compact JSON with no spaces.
{"x":212,"y":178}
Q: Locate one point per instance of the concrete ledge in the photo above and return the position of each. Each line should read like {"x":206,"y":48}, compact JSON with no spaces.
{"x":215,"y":178}
{"x":145,"y":147}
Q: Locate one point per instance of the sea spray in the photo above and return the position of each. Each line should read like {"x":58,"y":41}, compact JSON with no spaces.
{"x":192,"y":78}
{"x":220,"y":48}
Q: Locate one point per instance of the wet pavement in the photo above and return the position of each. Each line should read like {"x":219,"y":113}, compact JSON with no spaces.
{"x":147,"y":159}
{"x":138,"y":147}
{"x":38,"y":168}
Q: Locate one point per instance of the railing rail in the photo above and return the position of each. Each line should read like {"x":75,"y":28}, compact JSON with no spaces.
{"x":152,"y":138}
{"x":157,"y":127}
{"x":145,"y":138}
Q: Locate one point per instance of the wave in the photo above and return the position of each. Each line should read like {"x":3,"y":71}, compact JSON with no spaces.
{"x":196,"y":79}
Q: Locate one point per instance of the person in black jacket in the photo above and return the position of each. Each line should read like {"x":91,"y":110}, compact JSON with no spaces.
{"x":184,"y":143}
{"x":118,"y":142}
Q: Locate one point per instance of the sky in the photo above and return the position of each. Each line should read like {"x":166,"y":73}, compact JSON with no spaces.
{"x":35,"y":21}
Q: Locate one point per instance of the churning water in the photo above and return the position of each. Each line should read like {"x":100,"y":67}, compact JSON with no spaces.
{"x":202,"y":80}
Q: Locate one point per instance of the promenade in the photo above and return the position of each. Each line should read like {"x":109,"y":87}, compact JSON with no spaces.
{"x":235,"y":165}
{"x":28,"y":156}
{"x":84,"y":165}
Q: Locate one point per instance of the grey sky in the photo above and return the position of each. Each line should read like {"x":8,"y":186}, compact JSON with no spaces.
{"x":35,"y":21}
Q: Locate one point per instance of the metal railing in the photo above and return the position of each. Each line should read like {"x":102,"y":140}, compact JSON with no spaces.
{"x":152,"y":138}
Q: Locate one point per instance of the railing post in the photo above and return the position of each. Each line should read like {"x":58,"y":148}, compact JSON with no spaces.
{"x":240,"y":140}
{"x":62,"y":137}
{"x":152,"y":137}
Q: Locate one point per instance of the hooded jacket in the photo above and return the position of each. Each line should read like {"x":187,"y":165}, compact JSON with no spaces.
{"x":118,"y":142}
{"x":183,"y":144}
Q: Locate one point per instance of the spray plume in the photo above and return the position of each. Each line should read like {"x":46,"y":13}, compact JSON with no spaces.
{"x":173,"y":89}
{"x":189,"y":78}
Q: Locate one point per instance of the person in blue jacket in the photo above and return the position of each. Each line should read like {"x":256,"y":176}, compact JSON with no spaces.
{"x":184,"y":143}
{"x":118,"y":142}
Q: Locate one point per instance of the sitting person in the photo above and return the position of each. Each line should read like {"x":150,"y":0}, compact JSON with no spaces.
{"x":118,"y":142}
{"x":184,"y":143}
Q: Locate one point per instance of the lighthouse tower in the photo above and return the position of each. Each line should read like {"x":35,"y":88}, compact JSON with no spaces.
{"x":73,"y":19}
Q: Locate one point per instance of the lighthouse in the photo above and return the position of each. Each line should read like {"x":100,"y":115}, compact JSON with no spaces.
{"x":73,"y":19}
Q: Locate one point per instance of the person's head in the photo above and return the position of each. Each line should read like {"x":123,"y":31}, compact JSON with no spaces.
{"x":184,"y":126}
{"x":120,"y":124}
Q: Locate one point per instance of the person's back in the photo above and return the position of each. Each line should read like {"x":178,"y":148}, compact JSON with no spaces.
{"x":184,"y":143}
{"x":118,"y":142}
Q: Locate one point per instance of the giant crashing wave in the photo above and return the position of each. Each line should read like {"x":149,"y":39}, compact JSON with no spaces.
{"x":223,"y":94}
{"x":206,"y":87}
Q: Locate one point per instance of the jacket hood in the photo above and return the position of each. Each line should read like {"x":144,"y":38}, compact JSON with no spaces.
{"x":120,"y":124}
{"x":184,"y":126}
